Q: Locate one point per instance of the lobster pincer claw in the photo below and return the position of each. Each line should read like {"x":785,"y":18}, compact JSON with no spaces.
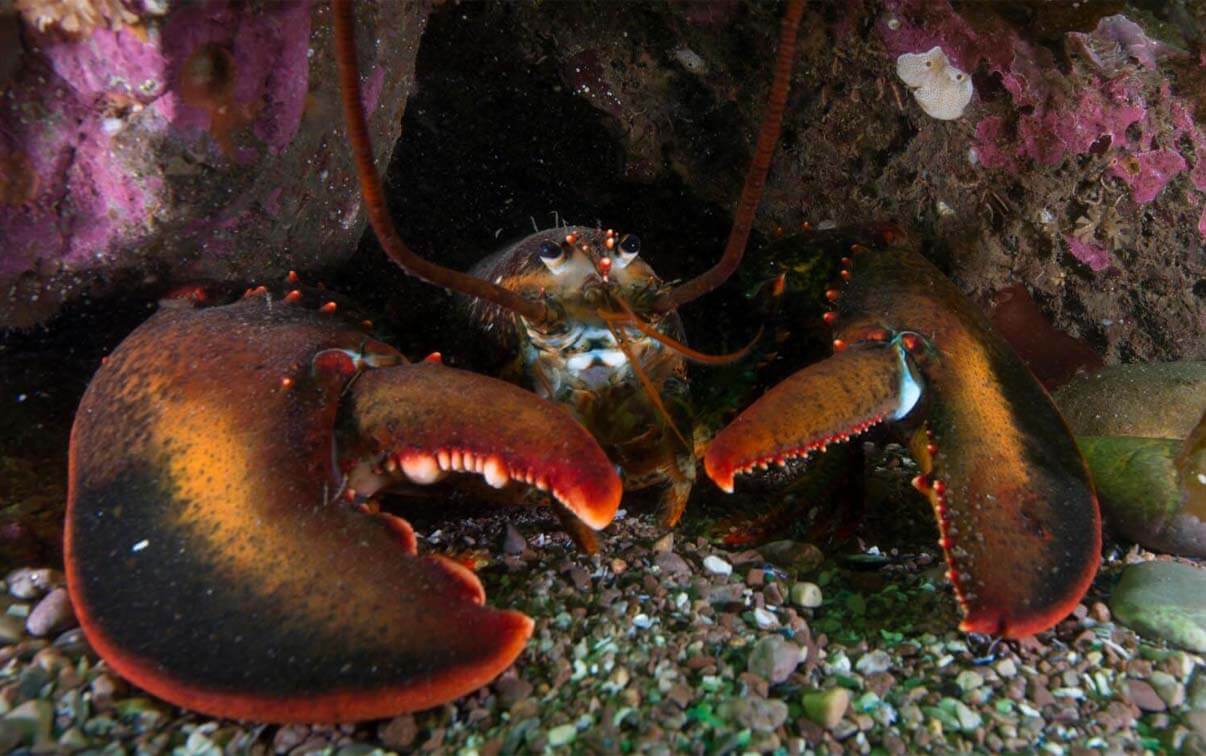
{"x":210,"y":556}
{"x":1017,"y":517}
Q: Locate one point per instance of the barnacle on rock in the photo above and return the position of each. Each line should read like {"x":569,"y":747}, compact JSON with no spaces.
{"x":75,"y":18}
{"x":942,"y":90}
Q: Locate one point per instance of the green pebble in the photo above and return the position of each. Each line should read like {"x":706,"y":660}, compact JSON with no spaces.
{"x":562,"y":735}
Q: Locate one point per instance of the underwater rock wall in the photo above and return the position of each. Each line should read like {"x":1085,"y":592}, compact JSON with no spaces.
{"x":1076,"y":169}
{"x":147,"y":144}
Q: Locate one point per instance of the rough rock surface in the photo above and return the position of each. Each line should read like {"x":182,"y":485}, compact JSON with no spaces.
{"x":152,"y":147}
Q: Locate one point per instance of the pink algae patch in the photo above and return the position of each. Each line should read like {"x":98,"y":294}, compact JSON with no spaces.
{"x":1096,"y":257}
{"x":1146,"y":173}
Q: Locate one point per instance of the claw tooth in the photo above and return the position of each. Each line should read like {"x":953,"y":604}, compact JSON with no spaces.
{"x":444,"y":460}
{"x":391,"y":465}
{"x":495,"y":472}
{"x":421,"y":468}
{"x":542,"y":484}
{"x":456,"y":460}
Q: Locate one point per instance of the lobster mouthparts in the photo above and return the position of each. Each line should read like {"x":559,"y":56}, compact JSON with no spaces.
{"x":210,"y":558}
{"x":1016,"y":512}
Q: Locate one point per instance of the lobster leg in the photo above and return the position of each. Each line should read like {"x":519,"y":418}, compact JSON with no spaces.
{"x":208,"y":556}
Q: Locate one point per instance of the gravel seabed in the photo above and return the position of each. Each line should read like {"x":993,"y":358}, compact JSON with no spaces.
{"x":664,"y":643}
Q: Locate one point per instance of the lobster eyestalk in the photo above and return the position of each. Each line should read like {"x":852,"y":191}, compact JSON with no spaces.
{"x":374,"y":199}
{"x":755,"y":179}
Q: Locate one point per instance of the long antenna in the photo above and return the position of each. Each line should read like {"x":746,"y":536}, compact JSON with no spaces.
{"x":374,"y":201}
{"x":755,"y":178}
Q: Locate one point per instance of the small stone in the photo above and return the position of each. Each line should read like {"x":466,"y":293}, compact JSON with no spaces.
{"x":33,"y":719}
{"x":717,"y":566}
{"x":1007,"y":668}
{"x":1100,"y":611}
{"x":30,"y":583}
{"x":968,"y":719}
{"x":618,"y":566}
{"x":663,"y":544}
{"x":1163,"y":601}
{"x":1168,"y":688}
{"x":562,"y":735}
{"x":799,"y":557}
{"x":757,"y":713}
{"x":806,"y":595}
{"x":1197,"y":692}
{"x":826,"y":707}
{"x":11,"y":734}
{"x":11,"y":630}
{"x":105,"y":688}
{"x":52,"y":614}
{"x":873,"y":662}
{"x":774,"y":658}
{"x":755,"y":578}
{"x":513,"y":542}
{"x":968,"y":681}
{"x":733,"y":593}
{"x":764,"y":619}
{"x":511,"y":690}
{"x":1144,"y":696}
{"x":671,"y":563}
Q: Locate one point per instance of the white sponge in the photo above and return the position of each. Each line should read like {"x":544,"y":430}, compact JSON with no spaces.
{"x":942,"y":90}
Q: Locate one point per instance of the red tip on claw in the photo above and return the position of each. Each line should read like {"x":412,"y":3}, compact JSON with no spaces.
{"x":435,"y":357}
{"x":328,"y":308}
{"x":830,"y":318}
{"x":833,"y":295}
{"x":921,"y":483}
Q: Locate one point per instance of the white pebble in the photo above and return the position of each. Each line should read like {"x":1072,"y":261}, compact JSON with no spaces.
{"x":764,"y":619}
{"x":717,"y":566}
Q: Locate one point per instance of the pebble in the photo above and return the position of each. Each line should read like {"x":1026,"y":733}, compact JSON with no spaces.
{"x":31,"y":583}
{"x":774,"y":658}
{"x":11,"y":630}
{"x":873,"y":662}
{"x":1163,"y":601}
{"x":512,"y":690}
{"x":717,"y":566}
{"x":32,"y":719}
{"x":764,"y":619}
{"x":757,"y":713}
{"x":792,"y":555}
{"x":1144,"y":696}
{"x":826,"y":707}
{"x":562,"y":735}
{"x":399,"y":733}
{"x":968,"y":680}
{"x":671,"y":563}
{"x":1007,"y":668}
{"x":52,"y":614}
{"x":806,"y":595}
{"x":1167,"y":687}
{"x":513,"y":542}
{"x":663,"y":544}
{"x":726,"y":594}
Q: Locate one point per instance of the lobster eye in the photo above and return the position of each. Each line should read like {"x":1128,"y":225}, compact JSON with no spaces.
{"x":552,"y":255}
{"x":630,"y":247}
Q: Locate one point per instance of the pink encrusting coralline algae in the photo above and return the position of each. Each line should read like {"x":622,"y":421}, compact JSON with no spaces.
{"x":1114,"y":102}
